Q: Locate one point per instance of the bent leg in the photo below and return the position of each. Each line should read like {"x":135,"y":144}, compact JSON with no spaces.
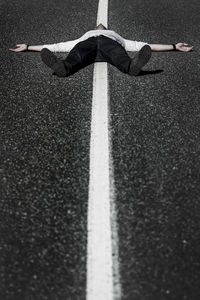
{"x":113,"y":53}
{"x":82,"y":55}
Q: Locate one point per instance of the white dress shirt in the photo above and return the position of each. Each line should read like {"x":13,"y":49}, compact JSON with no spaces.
{"x":129,"y":45}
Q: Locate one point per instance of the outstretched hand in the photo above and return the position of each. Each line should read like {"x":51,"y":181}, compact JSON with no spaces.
{"x":183,"y":47}
{"x":20,"y":48}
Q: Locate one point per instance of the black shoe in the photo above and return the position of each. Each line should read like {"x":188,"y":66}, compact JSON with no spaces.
{"x":139,"y":60}
{"x":56,"y":64}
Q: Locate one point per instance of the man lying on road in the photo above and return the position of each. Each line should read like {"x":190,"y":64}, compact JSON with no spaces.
{"x":100,"y":45}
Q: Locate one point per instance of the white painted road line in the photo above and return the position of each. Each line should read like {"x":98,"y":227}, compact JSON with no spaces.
{"x":102,"y":14}
{"x":101,"y":273}
{"x":99,"y":256}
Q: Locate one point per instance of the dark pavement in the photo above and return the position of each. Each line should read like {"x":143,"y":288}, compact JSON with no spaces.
{"x":156,"y":148}
{"x":44,"y":162}
{"x":45,"y":134}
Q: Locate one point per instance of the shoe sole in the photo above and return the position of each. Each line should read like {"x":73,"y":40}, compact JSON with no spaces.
{"x":48,"y":57}
{"x":140,"y":60}
{"x":53,"y":62}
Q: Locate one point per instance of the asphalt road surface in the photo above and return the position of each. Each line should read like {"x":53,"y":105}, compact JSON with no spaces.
{"x":45,"y":140}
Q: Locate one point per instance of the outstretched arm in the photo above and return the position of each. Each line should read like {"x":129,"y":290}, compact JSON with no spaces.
{"x":179,"y":46}
{"x":131,"y":45}
{"x":58,"y":47}
{"x":24,"y":47}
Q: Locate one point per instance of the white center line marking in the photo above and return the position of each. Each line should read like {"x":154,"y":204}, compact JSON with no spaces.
{"x":101,"y":267}
{"x":99,"y":260}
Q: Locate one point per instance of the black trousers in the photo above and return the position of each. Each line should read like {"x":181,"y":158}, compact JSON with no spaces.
{"x":97,"y":49}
